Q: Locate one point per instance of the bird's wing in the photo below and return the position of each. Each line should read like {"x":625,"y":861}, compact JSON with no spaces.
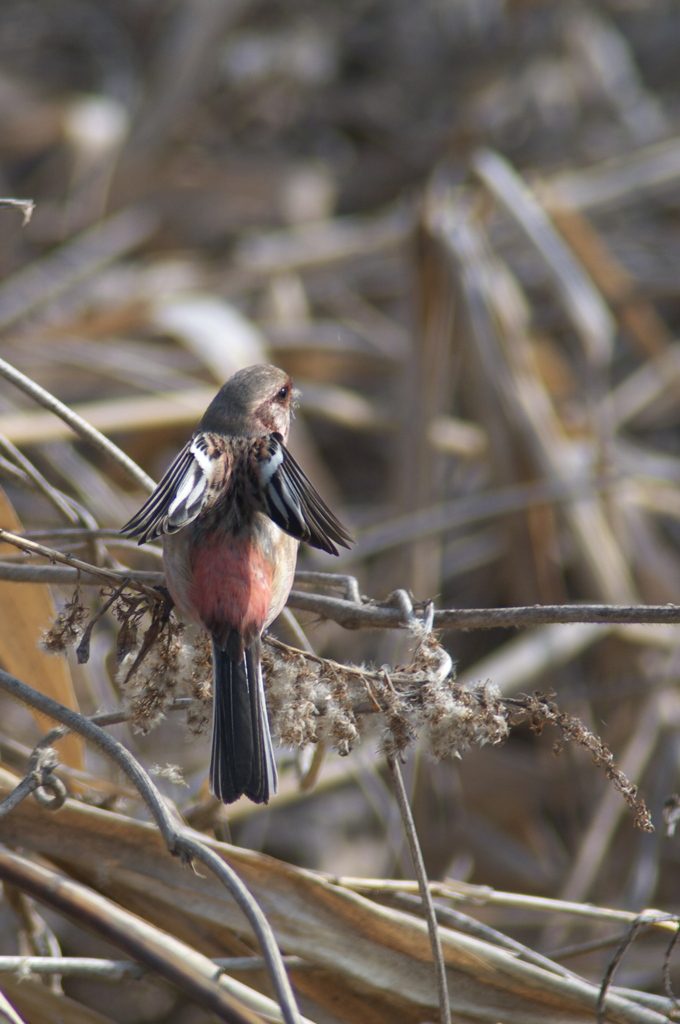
{"x":291,"y":501}
{"x":181,"y":494}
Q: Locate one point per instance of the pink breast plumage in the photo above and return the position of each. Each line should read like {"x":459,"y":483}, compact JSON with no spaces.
{"x":231,"y":584}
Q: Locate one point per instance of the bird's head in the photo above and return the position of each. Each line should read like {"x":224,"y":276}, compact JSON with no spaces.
{"x":255,"y":401}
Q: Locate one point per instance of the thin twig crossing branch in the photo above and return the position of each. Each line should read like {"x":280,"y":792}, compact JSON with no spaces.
{"x":424,"y":886}
{"x":89,"y":433}
{"x":179,"y":841}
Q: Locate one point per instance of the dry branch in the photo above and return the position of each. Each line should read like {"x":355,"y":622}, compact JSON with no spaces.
{"x":179,"y":842}
{"x":439,"y":332}
{"x":346,"y":934}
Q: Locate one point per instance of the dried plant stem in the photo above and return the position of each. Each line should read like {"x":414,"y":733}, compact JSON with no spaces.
{"x":170,"y":957}
{"x":26,"y":206}
{"x":350,"y":614}
{"x":636,"y":927}
{"x":374,"y":615}
{"x":53,"y":495}
{"x":88,"y":576}
{"x":77,"y":423}
{"x":116,"y":970}
{"x":424,"y":887}
{"x":76,"y":564}
{"x":28,"y":785}
{"x":582,"y":302}
{"x":8,"y":1011}
{"x":463,"y":892}
{"x":179,"y":841}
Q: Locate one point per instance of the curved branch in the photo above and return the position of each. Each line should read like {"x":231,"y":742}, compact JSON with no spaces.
{"x":178,"y":841}
{"x":168,"y":956}
{"x":81,"y":427}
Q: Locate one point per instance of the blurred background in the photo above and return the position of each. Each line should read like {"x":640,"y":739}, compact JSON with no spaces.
{"x":456,"y":224}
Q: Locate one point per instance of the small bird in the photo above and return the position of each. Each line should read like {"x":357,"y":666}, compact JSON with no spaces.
{"x":232,"y":509}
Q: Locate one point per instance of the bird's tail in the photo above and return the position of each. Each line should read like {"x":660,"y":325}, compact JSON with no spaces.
{"x":242,"y":760}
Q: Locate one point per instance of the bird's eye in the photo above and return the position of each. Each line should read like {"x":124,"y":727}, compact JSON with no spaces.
{"x":283,"y":393}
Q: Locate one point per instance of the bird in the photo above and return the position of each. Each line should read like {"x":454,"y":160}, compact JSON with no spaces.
{"x":231,"y":510}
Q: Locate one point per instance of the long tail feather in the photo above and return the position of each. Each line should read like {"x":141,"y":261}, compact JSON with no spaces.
{"x":242,"y":760}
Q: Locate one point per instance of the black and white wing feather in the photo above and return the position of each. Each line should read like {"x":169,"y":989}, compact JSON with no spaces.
{"x":179,"y":497}
{"x":292,"y":502}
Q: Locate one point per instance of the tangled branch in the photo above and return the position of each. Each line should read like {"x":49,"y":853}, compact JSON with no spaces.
{"x":315,"y":700}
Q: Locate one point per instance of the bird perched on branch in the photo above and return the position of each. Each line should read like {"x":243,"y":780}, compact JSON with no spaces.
{"x":231,"y":510}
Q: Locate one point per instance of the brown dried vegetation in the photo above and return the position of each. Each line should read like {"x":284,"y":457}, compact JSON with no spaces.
{"x":455,"y":225}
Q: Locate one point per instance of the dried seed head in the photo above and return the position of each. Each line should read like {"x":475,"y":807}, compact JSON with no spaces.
{"x":199,"y":713}
{"x":292,"y":690}
{"x":154,"y":683}
{"x":455,"y":717}
{"x":67,"y":629}
{"x":171,"y":772}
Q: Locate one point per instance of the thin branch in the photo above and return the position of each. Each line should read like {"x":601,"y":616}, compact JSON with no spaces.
{"x":179,"y":841}
{"x":364,"y":614}
{"x":668,"y":984}
{"x":169,"y":956}
{"x":117,"y":970}
{"x":374,"y":615}
{"x":73,"y":533}
{"x":28,"y":785}
{"x":424,"y":886}
{"x":479,"y":895}
{"x":27,"y":207}
{"x":76,"y":564}
{"x":8,"y":1012}
{"x":53,"y":495}
{"x":87,"y":577}
{"x":470,"y":926}
{"x":83,"y":648}
{"x":638,"y":924}
{"x":77,"y":423}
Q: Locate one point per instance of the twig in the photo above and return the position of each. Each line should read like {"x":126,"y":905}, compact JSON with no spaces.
{"x":89,"y":577}
{"x":479,"y":895}
{"x":27,"y":206}
{"x":77,"y":423}
{"x":424,"y":886}
{"x":178,"y":841}
{"x":83,"y":648}
{"x":116,"y":970}
{"x":470,"y":926}
{"x":638,"y":924}
{"x":36,"y":780}
{"x":173,"y":960}
{"x":53,"y":495}
{"x":8,"y":1012}
{"x":368,"y":614}
{"x":381,"y":616}
{"x":667,"y":981}
{"x":74,"y":533}
{"x":33,"y":548}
